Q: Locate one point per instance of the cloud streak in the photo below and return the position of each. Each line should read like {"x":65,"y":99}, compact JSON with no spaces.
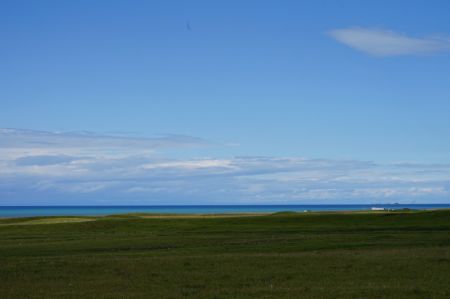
{"x":379,"y":42}
{"x":132,"y":176}
{"x":43,"y":143}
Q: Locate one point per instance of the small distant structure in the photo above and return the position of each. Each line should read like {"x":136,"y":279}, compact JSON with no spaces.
{"x":306,"y":211}
{"x":378,"y":209}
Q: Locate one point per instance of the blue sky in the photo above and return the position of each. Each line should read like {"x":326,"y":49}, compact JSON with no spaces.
{"x":161,"y":102}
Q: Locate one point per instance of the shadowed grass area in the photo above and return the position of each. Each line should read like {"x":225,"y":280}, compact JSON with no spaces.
{"x":283,"y":255}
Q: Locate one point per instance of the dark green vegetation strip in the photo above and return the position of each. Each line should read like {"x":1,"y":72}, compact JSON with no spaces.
{"x":287,"y":255}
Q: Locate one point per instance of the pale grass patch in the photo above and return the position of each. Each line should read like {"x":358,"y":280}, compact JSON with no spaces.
{"x":51,"y":221}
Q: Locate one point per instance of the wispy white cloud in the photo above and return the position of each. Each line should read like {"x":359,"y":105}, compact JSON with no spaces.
{"x":41,"y":160}
{"x":380,"y":42}
{"x":66,"y":175}
{"x":18,"y":142}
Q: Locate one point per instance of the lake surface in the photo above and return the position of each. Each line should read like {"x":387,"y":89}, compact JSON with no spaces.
{"x":25,"y":211}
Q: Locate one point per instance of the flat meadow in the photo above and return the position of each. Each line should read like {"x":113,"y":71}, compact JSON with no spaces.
{"x":400,"y":254}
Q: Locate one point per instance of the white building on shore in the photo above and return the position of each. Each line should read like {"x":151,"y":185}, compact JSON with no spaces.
{"x":378,"y":209}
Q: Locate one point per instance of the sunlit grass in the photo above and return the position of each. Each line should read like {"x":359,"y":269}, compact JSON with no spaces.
{"x":47,"y":220}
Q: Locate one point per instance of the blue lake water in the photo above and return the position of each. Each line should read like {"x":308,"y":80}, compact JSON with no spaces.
{"x":25,"y":211}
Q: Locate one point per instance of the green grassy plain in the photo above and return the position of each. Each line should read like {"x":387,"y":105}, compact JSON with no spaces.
{"x":283,"y":255}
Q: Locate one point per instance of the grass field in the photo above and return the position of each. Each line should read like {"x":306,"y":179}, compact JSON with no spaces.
{"x":283,"y":255}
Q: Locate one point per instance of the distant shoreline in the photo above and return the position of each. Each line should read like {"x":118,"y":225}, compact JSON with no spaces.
{"x":217,"y":215}
{"x":40,"y":211}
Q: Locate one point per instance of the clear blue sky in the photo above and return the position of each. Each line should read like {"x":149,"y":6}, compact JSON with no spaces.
{"x":333,"y":81}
